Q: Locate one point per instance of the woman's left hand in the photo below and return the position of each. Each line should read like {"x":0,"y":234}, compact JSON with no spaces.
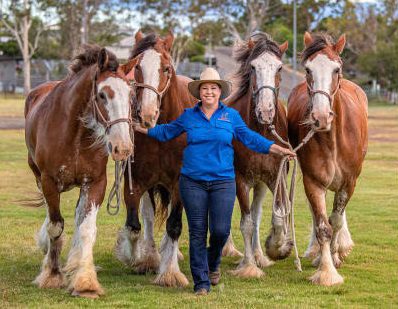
{"x":276,"y":149}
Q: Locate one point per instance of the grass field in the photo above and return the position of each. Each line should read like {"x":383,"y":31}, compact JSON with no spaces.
{"x":370,"y":272}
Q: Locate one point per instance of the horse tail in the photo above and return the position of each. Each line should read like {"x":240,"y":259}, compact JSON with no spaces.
{"x":35,"y":201}
{"x":160,"y":198}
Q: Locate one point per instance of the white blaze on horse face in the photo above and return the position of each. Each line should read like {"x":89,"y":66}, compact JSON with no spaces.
{"x":266,"y":67}
{"x":322,"y":69}
{"x":150,"y":66}
{"x":117,"y":94}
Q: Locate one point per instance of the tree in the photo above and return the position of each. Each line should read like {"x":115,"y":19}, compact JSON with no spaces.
{"x":19,"y":20}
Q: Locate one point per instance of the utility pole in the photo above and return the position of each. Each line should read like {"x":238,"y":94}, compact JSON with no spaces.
{"x":294,"y":42}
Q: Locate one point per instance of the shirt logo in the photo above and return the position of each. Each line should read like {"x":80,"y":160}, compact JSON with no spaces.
{"x":224,"y":117}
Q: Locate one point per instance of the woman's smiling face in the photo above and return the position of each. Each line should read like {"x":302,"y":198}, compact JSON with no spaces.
{"x":210,"y":93}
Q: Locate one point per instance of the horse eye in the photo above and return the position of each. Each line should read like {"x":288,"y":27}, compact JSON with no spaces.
{"x":337,"y":71}
{"x":102,"y":96}
{"x":166,"y":70}
{"x":280,"y":70}
{"x":308,"y":71}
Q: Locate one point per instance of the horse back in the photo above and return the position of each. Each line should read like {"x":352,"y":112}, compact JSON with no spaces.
{"x":37,"y":95}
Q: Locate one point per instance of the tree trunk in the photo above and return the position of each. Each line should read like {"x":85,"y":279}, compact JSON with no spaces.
{"x":84,"y":35}
{"x":25,"y":51}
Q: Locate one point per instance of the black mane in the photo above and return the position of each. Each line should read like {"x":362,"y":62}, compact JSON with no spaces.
{"x":89,"y":55}
{"x":146,"y":43}
{"x":320,"y":41}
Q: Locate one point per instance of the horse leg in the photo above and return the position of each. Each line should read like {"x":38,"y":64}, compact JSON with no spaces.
{"x":129,"y":241}
{"x":247,"y":268}
{"x":341,"y":234}
{"x":229,"y":248}
{"x":169,"y":271}
{"x":326,"y":273}
{"x":150,"y":257}
{"x":278,"y":243}
{"x":256,"y":209}
{"x":312,"y":251}
{"x":80,"y":272}
{"x":50,"y":237}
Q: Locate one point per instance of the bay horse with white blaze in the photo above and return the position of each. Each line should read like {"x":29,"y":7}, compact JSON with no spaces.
{"x":336,"y":109}
{"x":71,"y":125}
{"x":259,"y":77}
{"x":162,"y":97}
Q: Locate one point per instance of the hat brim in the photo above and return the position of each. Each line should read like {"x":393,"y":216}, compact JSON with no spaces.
{"x":194,"y":86}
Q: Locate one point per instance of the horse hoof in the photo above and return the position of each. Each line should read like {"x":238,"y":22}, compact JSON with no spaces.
{"x":312,"y":252}
{"x":262,"y":260}
{"x":278,"y":252}
{"x":148,"y":265}
{"x":326,"y":278}
{"x":247,"y":271}
{"x":315,"y":262}
{"x":47,"y":280}
{"x":230,"y":250}
{"x":336,"y":260}
{"x":171,"y":279}
{"x":86,"y":294}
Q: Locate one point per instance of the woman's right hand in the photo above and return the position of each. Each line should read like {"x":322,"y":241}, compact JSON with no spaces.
{"x":137,"y":128}
{"x":276,"y":149}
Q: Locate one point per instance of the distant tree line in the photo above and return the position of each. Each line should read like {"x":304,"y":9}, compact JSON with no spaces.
{"x":55,"y":28}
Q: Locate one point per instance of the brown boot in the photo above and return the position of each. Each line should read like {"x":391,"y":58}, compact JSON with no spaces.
{"x":201,"y":292}
{"x":214,"y":277}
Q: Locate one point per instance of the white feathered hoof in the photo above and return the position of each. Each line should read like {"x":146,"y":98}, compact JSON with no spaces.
{"x":326,"y":277}
{"x":230,"y":250}
{"x":312,"y":251}
{"x":345,"y":243}
{"x":85,"y":284}
{"x":125,"y":245}
{"x":171,"y":279}
{"x":148,"y":264}
{"x":247,"y":270}
{"x":275,"y":251}
{"x":262,"y":260}
{"x":49,"y":280}
{"x":336,"y":260}
{"x":316,"y":261}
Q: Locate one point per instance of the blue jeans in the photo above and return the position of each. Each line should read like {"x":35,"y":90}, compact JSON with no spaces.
{"x":208,"y":205}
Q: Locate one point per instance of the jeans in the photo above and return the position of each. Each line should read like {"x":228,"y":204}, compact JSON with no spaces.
{"x":208,"y":205}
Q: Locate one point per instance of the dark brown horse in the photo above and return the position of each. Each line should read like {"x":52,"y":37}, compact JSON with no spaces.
{"x":162,"y":97}
{"x":336,"y":109}
{"x":71,"y":126}
{"x":259,"y":77}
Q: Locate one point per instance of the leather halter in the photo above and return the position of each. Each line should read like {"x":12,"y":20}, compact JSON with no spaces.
{"x":159,"y":94}
{"x":275,"y":91}
{"x":97,"y":111}
{"x":330,"y":97}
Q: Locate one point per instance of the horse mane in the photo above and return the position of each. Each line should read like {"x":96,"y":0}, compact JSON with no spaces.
{"x":146,"y":43}
{"x":87,"y":55}
{"x":244,"y":55}
{"x":320,"y":41}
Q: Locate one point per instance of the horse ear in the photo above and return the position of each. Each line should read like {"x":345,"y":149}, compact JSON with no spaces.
{"x":307,"y":39}
{"x":339,"y":46}
{"x":103,"y":59}
{"x":250,"y":44}
{"x":128,"y":68}
{"x":138,"y":36}
{"x":283,"y":47}
{"x":168,"y":41}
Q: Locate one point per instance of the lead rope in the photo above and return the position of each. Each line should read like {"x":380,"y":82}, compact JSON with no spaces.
{"x":287,"y":214}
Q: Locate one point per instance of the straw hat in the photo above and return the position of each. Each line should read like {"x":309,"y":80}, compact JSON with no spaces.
{"x":209,"y":75}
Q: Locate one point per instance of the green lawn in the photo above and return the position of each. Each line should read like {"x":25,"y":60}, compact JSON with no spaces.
{"x":370,"y":272}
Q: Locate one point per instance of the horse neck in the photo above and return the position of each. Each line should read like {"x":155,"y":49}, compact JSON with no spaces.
{"x":171,"y":106}
{"x":77,"y":97}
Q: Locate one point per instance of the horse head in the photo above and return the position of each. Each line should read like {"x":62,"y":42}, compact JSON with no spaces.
{"x":111,"y":99}
{"x":152,"y":75}
{"x":323,"y":66}
{"x":261,"y":65}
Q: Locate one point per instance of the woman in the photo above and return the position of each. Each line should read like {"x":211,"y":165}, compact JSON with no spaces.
{"x":207,"y":180}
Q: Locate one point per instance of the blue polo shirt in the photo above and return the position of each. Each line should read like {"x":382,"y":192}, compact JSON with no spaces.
{"x":209,"y":154}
